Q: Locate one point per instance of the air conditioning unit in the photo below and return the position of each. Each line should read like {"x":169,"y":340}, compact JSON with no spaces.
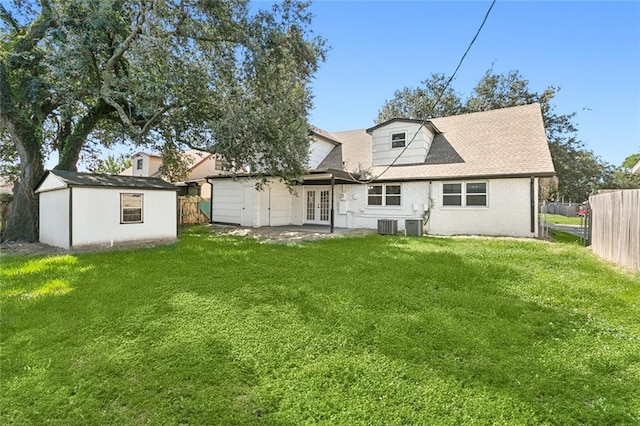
{"x":413,"y":227}
{"x":387,"y":226}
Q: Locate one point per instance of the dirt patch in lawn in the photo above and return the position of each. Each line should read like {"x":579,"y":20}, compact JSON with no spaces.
{"x":287,"y":234}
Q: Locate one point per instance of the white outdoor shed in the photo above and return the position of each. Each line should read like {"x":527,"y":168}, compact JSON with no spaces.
{"x":79,"y":209}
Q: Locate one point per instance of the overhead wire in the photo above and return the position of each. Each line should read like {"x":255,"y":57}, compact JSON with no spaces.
{"x":425,"y":119}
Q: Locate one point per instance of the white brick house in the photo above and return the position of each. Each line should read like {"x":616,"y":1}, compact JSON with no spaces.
{"x":469,"y":174}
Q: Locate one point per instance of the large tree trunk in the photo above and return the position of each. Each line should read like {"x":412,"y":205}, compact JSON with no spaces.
{"x":23,"y":216}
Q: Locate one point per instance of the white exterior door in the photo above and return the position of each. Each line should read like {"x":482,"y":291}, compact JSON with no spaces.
{"x":317,"y":206}
{"x":248,"y":205}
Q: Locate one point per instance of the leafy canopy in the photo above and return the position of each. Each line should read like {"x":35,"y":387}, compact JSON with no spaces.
{"x":219,"y":76}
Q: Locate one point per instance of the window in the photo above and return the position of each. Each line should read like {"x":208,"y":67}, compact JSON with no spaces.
{"x":384,"y":195}
{"x":464,"y":194}
{"x":477,"y":194}
{"x":218,"y":164}
{"x":452,"y":194}
{"x":130,"y":208}
{"x":398,"y":140}
{"x":139,"y":164}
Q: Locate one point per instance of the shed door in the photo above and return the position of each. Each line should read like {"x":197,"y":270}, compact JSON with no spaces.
{"x":248,"y":205}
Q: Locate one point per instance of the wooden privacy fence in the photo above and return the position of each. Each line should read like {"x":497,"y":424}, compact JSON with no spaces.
{"x":191,"y":210}
{"x":615,"y":221}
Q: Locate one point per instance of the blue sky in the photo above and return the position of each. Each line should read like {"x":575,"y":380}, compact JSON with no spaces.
{"x":591,"y":50}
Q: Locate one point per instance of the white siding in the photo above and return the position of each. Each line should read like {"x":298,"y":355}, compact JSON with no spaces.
{"x":205,"y":168}
{"x":227,"y":201}
{"x":318,"y":150}
{"x":508,"y":211}
{"x":275,"y":205}
{"x":96,"y":216}
{"x":383,"y":154}
{"x":51,"y":182}
{"x":54,"y":217}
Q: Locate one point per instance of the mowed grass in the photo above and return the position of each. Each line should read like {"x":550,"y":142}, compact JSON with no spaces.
{"x":561,"y":220}
{"x":368,"y":330}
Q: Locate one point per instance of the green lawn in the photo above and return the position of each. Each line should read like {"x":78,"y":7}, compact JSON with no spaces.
{"x":368,"y":330}
{"x":565,"y":237}
{"x":561,"y":220}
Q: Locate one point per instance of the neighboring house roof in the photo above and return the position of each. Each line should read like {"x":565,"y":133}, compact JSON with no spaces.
{"x":636,"y":169}
{"x":194,"y":156}
{"x":76,"y":179}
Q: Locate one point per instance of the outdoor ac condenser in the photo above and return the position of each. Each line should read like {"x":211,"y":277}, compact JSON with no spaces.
{"x":387,"y":226}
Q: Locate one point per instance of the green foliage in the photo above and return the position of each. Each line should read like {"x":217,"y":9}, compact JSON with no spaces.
{"x":622,"y":177}
{"x":579,"y":171}
{"x":112,"y":165}
{"x":210,"y":75}
{"x":372,"y":330}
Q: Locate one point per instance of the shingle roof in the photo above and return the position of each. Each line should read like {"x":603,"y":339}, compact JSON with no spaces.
{"x":73,"y":179}
{"x":502,"y":142}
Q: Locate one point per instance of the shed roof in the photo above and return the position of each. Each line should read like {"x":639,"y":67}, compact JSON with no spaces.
{"x":79,"y":179}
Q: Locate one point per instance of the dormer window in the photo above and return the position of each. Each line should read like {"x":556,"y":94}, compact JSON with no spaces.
{"x":139,"y":164}
{"x":398,"y":140}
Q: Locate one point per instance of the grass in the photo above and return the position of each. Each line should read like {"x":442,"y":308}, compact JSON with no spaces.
{"x":368,"y":330}
{"x":565,"y":237}
{"x":561,"y":220}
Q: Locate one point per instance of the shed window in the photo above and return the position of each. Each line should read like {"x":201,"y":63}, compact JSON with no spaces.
{"x":130,"y":208}
{"x":139,"y":164}
{"x":398,"y":140}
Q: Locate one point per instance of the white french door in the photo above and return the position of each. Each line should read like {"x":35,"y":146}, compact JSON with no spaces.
{"x":317,"y":206}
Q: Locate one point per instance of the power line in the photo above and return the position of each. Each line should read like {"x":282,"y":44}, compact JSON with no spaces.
{"x":424,"y":119}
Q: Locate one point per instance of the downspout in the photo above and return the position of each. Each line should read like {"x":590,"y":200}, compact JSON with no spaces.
{"x":210,"y":200}
{"x":333,"y":183}
{"x":533,"y":204}
{"x":70,"y":216}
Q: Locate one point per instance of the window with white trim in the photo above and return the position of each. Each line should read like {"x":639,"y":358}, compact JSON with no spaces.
{"x":464,"y":194}
{"x":384,"y":195}
{"x":398,"y":140}
{"x":130,"y":208}
{"x":139,"y":164}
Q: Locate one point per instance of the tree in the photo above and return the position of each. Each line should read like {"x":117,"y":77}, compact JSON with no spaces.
{"x":621,"y":177}
{"x":579,"y":171}
{"x":111,"y":165}
{"x":211,"y":75}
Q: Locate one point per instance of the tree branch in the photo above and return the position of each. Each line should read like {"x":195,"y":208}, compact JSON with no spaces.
{"x":107,"y":74}
{"x":8,"y":18}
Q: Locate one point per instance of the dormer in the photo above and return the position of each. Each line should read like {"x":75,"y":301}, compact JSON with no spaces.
{"x":409,"y":139}
{"x":322,"y":143}
{"x":145,"y":164}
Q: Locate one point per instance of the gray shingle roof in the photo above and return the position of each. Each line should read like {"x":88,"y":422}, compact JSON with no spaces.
{"x":112,"y":181}
{"x":502,"y":142}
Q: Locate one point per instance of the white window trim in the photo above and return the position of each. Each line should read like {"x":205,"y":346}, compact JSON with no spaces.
{"x":391,"y":140}
{"x":384,"y":196}
{"x":463,"y":184}
{"x":139,"y":164}
{"x":122,"y":221}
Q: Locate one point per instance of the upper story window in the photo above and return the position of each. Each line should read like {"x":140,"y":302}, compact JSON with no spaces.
{"x":398,"y":140}
{"x":139,"y":164}
{"x":130,"y":208}
{"x":464,"y":194}
{"x":384,"y":195}
{"x":218,"y":164}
